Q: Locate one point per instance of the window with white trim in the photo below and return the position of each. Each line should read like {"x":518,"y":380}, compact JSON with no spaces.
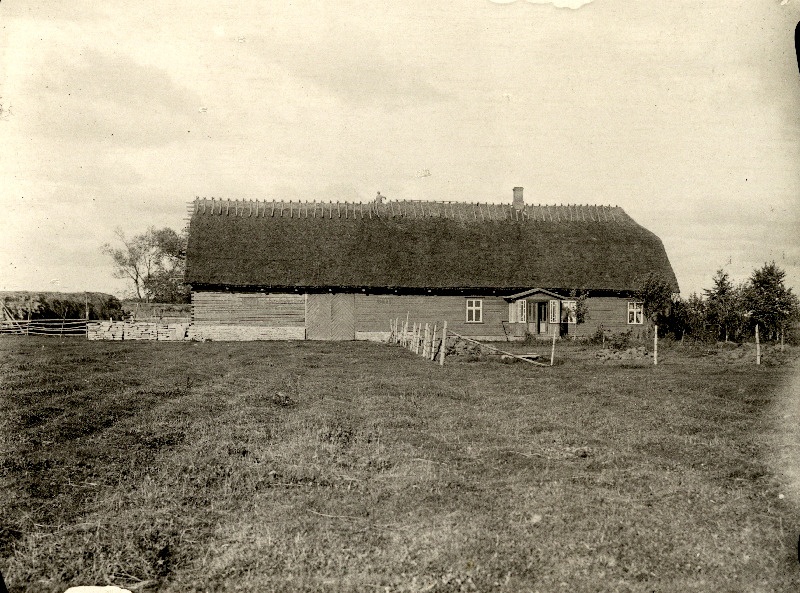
{"x":474,"y":311}
{"x":517,"y":311}
{"x":635,"y":313}
{"x":554,"y":308}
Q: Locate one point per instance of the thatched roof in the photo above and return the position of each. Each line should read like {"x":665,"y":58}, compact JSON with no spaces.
{"x":419,"y":245}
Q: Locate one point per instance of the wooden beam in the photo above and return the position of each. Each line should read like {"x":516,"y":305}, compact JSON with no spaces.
{"x":498,"y":350}
{"x":444,"y":344}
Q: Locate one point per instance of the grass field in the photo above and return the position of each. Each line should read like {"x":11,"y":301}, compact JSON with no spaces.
{"x":309,"y":466}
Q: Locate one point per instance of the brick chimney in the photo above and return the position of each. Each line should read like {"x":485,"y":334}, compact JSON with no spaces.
{"x":519,"y":202}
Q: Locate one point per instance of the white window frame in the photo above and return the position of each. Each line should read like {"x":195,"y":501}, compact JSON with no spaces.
{"x":518,"y":311}
{"x":554,"y":312}
{"x":635,"y":313}
{"x":475,"y":308}
{"x":569,"y":312}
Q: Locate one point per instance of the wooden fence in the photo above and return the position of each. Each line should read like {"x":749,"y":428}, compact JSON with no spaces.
{"x":424,"y":340}
{"x":44,"y":327}
{"x":96,"y":330}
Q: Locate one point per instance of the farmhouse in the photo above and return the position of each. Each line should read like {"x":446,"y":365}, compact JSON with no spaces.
{"x":341,"y":271}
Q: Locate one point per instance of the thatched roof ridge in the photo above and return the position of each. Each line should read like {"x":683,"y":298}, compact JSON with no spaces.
{"x":407,"y":209}
{"x":418,"y":245}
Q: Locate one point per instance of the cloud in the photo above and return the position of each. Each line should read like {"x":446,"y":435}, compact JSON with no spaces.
{"x":106,"y":98}
{"x":357,"y":66}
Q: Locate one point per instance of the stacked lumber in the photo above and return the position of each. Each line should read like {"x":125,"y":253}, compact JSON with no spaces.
{"x":126,"y":330}
{"x":105,"y":330}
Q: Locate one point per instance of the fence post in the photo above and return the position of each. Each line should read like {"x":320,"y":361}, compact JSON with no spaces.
{"x":425,"y":341}
{"x":444,"y":344}
{"x":655,"y":345}
{"x":553,"y":348}
{"x":758,"y":347}
{"x":432,"y":353}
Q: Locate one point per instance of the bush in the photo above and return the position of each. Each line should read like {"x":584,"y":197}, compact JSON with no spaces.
{"x":619,"y":341}
{"x":598,"y":337}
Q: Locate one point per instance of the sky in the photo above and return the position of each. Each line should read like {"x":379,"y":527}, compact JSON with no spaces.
{"x":117,"y":114}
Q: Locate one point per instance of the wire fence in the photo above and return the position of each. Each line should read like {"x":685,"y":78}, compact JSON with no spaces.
{"x":44,"y":327}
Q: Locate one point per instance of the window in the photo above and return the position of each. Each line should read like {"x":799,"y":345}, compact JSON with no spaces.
{"x":569,"y":311}
{"x":474,"y":311}
{"x":555,"y":311}
{"x":517,"y":311}
{"x":635,"y":314}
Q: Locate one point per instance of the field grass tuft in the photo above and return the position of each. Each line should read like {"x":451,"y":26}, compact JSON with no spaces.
{"x":360,"y":467}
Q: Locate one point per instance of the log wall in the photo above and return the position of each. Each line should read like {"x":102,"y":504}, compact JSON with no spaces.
{"x":611,"y":312}
{"x":372,"y":313}
{"x":248,"y":309}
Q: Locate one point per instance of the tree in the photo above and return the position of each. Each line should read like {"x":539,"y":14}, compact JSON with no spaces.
{"x":722,"y":302}
{"x":165,"y":284}
{"x":694,"y":311}
{"x":581,"y":306}
{"x":656,"y":297}
{"x":769,"y":302}
{"x":154,"y":262}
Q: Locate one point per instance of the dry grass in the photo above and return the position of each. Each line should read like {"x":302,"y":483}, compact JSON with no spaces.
{"x":359,"y":467}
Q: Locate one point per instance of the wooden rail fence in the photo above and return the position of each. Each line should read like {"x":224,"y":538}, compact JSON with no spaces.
{"x":44,"y":327}
{"x":424,"y":340}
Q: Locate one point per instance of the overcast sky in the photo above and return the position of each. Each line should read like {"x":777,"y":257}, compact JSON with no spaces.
{"x":116,"y":114}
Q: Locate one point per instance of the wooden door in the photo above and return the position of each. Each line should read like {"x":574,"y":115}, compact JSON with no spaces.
{"x":330,"y":317}
{"x":318,"y":316}
{"x":541,"y":317}
{"x":343,"y":320}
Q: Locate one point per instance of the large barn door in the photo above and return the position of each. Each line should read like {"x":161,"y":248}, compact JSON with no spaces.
{"x":318,"y":316}
{"x":343,"y":321}
{"x":330,"y":317}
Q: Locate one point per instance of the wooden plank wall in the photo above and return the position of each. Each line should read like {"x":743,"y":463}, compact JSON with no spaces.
{"x":374,"y":311}
{"x":248,"y":309}
{"x":611,"y":312}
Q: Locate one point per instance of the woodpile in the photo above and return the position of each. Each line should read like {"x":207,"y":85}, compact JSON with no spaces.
{"x":126,"y":330}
